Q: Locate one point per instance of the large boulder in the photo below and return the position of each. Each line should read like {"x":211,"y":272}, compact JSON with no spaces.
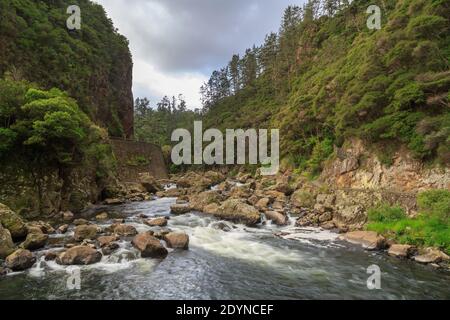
{"x":20,"y":260}
{"x":149,"y":246}
{"x":35,"y":239}
{"x":79,"y":255}
{"x":177,"y":240}
{"x":369,"y":240}
{"x":124,"y":230}
{"x":181,"y":208}
{"x":277,"y":218}
{"x":238,"y":211}
{"x":200,"y":201}
{"x":13,"y":222}
{"x":85,"y":232}
{"x":156,"y":222}
{"x":149,"y":183}
{"x":6,"y":243}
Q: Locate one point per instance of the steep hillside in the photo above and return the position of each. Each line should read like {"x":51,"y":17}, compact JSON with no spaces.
{"x":325,"y":77}
{"x":92,"y":64}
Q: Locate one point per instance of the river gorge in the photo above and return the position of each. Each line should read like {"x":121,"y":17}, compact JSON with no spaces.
{"x":227,"y":261}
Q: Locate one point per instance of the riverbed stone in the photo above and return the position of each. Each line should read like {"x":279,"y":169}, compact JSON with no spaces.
{"x":149,"y":183}
{"x":238,"y":211}
{"x":104,"y":241}
{"x":35,"y":239}
{"x":20,"y":260}
{"x":85,"y":232}
{"x":102,"y":216}
{"x":67,"y":216}
{"x":13,"y":222}
{"x":156,"y":222}
{"x":80,"y":222}
{"x":369,"y":240}
{"x":124,"y":230}
{"x":180,"y":208}
{"x":401,"y":250}
{"x":177,"y":240}
{"x":149,"y":246}
{"x":114,"y":201}
{"x":63,"y":229}
{"x":79,"y":255}
{"x":262,"y":204}
{"x":201,"y":200}
{"x":431,"y":255}
{"x":277,"y":217}
{"x":6,"y":243}
{"x":110,"y":248}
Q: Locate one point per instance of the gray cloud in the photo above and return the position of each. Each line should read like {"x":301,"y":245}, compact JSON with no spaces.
{"x":193,"y":36}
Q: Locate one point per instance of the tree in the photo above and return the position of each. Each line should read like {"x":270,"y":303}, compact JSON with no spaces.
{"x":235,"y":75}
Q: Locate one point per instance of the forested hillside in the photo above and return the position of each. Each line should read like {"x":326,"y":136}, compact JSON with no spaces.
{"x":92,"y":64}
{"x":325,"y":77}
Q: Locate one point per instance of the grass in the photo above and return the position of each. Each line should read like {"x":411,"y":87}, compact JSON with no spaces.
{"x":430,"y":228}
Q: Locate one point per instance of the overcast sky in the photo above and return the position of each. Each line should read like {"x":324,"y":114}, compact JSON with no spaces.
{"x":176,"y":44}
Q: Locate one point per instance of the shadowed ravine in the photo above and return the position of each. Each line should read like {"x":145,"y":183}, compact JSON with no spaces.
{"x":243,"y":263}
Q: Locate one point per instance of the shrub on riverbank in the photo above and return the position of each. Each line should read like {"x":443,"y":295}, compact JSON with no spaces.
{"x":430,"y":228}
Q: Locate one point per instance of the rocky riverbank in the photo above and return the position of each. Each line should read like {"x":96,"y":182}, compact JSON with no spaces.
{"x":241,"y":198}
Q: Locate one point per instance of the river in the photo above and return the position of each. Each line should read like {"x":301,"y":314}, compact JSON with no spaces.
{"x":234,"y":263}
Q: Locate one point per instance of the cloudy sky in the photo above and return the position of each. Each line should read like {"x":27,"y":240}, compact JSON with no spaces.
{"x":176,"y":44}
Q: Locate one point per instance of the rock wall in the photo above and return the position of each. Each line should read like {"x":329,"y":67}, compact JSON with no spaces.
{"x":135,"y":157}
{"x":357,"y":168}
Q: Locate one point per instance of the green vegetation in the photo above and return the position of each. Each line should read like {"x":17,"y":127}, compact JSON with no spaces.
{"x":93,"y":64}
{"x":42,"y":131}
{"x":138,"y":161}
{"x":325,"y":77}
{"x":430,"y":228}
{"x":156,"y":124}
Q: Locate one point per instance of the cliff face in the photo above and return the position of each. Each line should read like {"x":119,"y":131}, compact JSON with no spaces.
{"x":92,"y":64}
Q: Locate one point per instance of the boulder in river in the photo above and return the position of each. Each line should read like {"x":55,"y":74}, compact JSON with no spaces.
{"x":180,"y":208}
{"x":124,"y":230}
{"x":156,"y":222}
{"x":370,"y":240}
{"x":431,"y":255}
{"x":277,"y":218}
{"x":67,"y":216}
{"x":177,"y":240}
{"x":104,"y":241}
{"x":80,"y":222}
{"x":85,"y":232}
{"x":6,"y":243}
{"x":110,"y":248}
{"x":113,"y":201}
{"x":101,"y":216}
{"x":63,"y":229}
{"x":401,"y":250}
{"x":79,"y":255}
{"x":238,"y":211}
{"x":13,"y":222}
{"x":20,"y":260}
{"x":149,"y":246}
{"x":149,"y":183}
{"x":35,"y":239}
{"x":201,"y":200}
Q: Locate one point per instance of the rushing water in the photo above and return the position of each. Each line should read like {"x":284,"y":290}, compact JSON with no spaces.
{"x":232,"y":263}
